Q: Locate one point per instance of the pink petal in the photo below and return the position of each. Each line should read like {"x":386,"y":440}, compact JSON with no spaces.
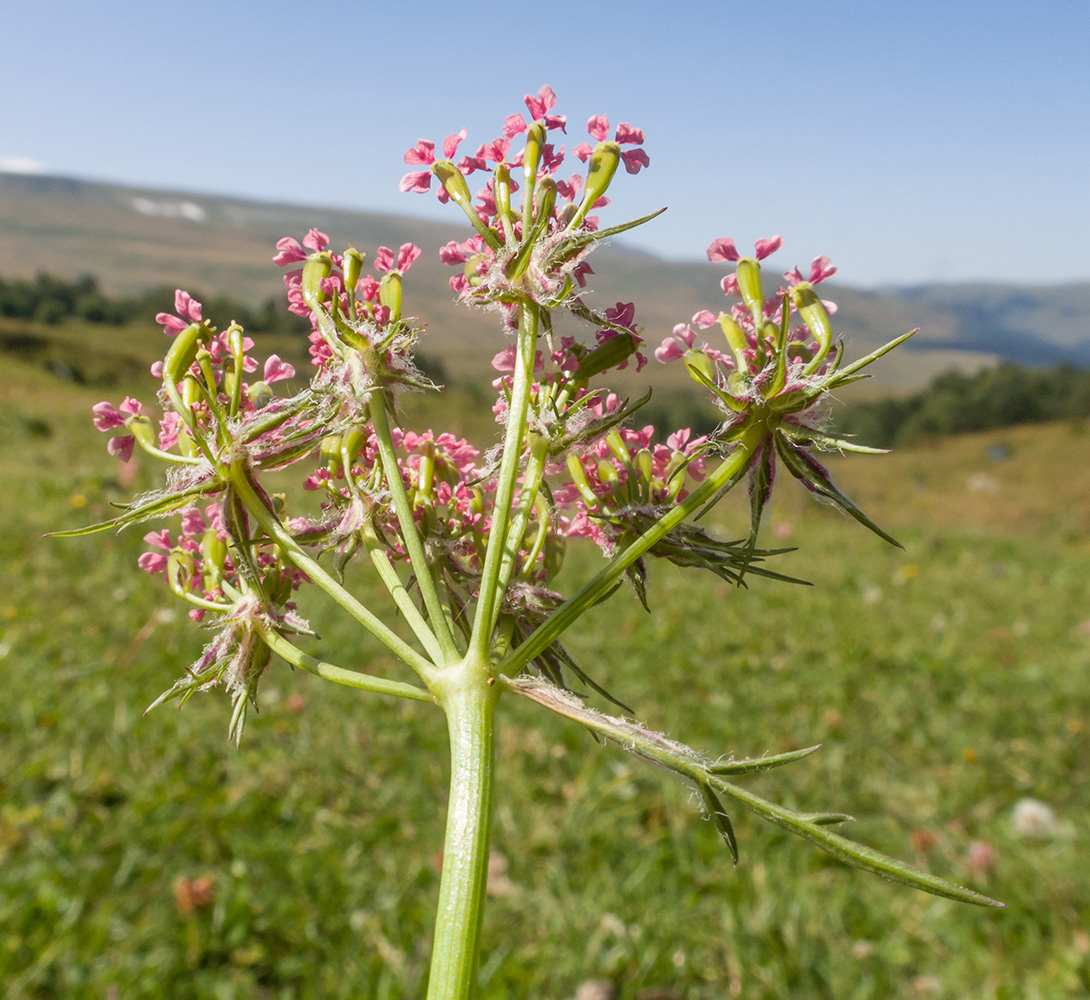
{"x":821,"y":268}
{"x":152,"y":562}
{"x":704,"y":319}
{"x":107,"y":416}
{"x":418,"y":182}
{"x":598,"y":127}
{"x":422,"y":152}
{"x":583,"y":151}
{"x":729,"y":284}
{"x":290,"y":252}
{"x":634,"y":159}
{"x":193,"y":522}
{"x":767,"y":247}
{"x":513,"y":125}
{"x":723,"y":249}
{"x":275,"y":369}
{"x":316,"y":241}
{"x":406,"y":255}
{"x":628,"y":134}
{"x":187,"y":307}
{"x":384,"y":260}
{"x":450,"y":143}
{"x":121,"y":446}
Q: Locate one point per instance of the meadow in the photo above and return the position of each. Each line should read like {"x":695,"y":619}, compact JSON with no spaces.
{"x":147,"y":857}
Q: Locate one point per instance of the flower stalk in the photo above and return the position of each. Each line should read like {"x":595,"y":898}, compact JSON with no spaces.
{"x":468,"y":548}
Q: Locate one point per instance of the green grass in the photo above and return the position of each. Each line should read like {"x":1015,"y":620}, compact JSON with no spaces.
{"x":946,"y":682}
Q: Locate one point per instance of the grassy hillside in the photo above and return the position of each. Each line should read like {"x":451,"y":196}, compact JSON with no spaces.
{"x":145,"y":857}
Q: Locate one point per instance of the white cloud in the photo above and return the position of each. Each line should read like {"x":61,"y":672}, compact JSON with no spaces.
{"x":21,"y":165}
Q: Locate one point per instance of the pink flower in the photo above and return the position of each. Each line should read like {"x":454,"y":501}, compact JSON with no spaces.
{"x":275,"y":370}
{"x":626,"y":135}
{"x":539,"y":108}
{"x":820,"y":269}
{"x":724,"y":249}
{"x":423,"y":154}
{"x":384,"y":259}
{"x":107,"y":416}
{"x":168,"y":430}
{"x":188,"y":310}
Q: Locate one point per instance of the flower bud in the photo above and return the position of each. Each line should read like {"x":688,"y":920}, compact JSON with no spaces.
{"x":351,"y":443}
{"x":545,"y":199}
{"x":816,"y":319}
{"x":579,"y":479}
{"x":352,"y":269}
{"x":531,"y":157}
{"x":213,"y":551}
{"x":329,"y":453}
{"x":180,"y":571}
{"x":749,"y":285}
{"x":389,"y":293}
{"x":183,"y":352}
{"x":318,"y":267}
{"x":736,"y":340}
{"x":234,"y":338}
{"x":603,"y":165}
{"x":143,"y":431}
{"x":501,"y":190}
{"x":451,"y":178}
{"x":606,"y":356}
{"x":700,"y":367}
{"x":260,"y":394}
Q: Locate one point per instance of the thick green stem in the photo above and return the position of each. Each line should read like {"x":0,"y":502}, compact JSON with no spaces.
{"x":465,"y":692}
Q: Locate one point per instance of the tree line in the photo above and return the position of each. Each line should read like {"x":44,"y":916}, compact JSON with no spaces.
{"x":51,"y":300}
{"x":958,"y":403}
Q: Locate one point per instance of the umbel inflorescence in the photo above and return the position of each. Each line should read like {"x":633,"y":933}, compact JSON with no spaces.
{"x":468,"y":542}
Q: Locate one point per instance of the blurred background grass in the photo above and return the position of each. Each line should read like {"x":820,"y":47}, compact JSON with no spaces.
{"x":146,"y":857}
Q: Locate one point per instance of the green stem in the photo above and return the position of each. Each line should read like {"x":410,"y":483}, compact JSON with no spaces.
{"x":437,"y":613}
{"x":469,"y":700}
{"x":276,"y":531}
{"x":405,"y":603}
{"x":489,"y":600}
{"x":592,"y":591}
{"x":330,"y":672}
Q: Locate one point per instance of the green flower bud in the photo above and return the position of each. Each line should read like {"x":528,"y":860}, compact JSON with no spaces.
{"x":213,"y":550}
{"x":143,"y":431}
{"x":531,"y":157}
{"x":183,"y":352}
{"x":318,"y":267}
{"x":816,"y":319}
{"x":545,"y":198}
{"x":260,"y":395}
{"x":351,"y":443}
{"x":749,"y":285}
{"x":736,"y":340}
{"x":329,"y":453}
{"x":389,"y":293}
{"x":352,"y":268}
{"x":603,"y":165}
{"x":579,"y":479}
{"x":451,"y":178}
{"x":501,"y":190}
{"x":180,"y":571}
{"x":608,"y":355}
{"x":700,"y":367}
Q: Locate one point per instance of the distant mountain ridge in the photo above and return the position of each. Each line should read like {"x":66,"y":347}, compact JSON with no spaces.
{"x":136,"y":238}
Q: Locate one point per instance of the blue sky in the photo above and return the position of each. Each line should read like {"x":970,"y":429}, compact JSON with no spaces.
{"x":910,"y":142}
